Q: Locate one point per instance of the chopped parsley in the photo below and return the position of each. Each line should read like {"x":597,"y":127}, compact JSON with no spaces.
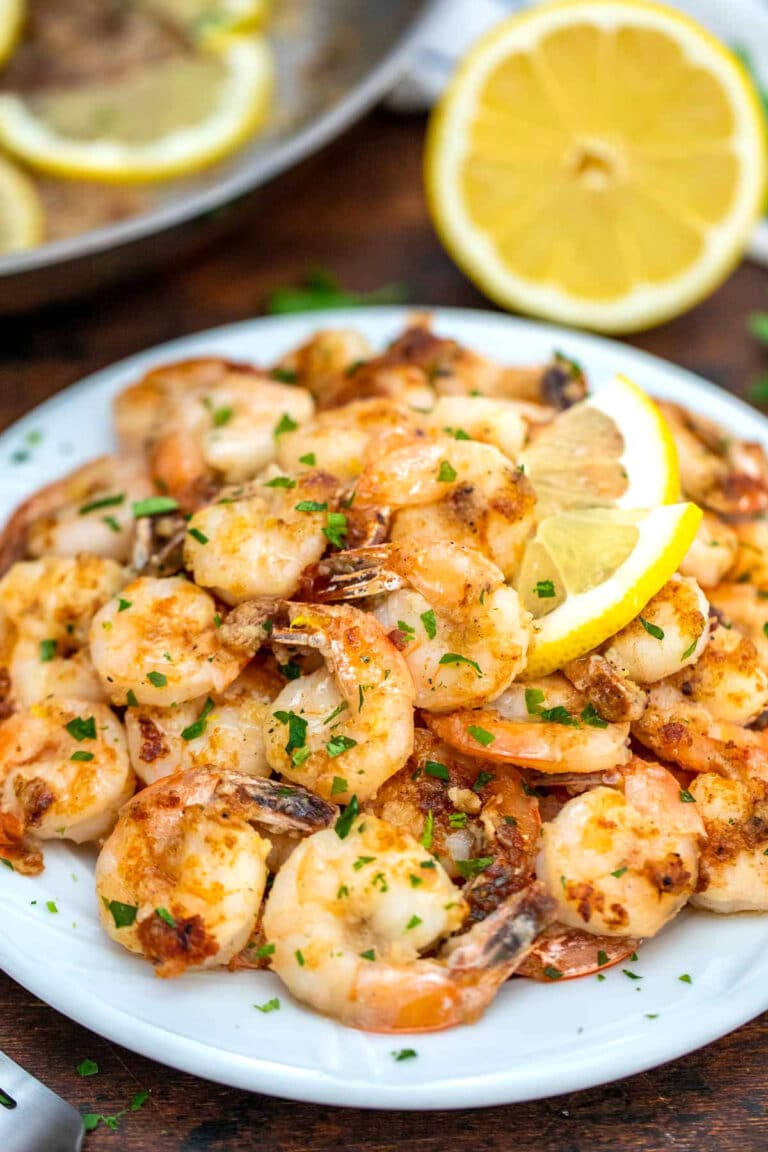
{"x":310,"y":459}
{"x":687,"y":797}
{"x":269,"y":1006}
{"x":446,"y":473}
{"x":559,"y":715}
{"x":345,"y":821}
{"x":430,"y":623}
{"x":483,"y":778}
{"x":130,"y":699}
{"x":690,"y":649}
{"x":284,"y":375}
{"x":458,"y":820}
{"x":222,"y":416}
{"x":291,"y":670}
{"x":413,"y":923}
{"x":482,"y":735}
{"x":534,"y":698}
{"x":284,"y":424}
{"x":428,"y":834}
{"x":552,"y":973}
{"x":369,"y":954}
{"x":436,"y":769}
{"x":593,"y":718}
{"x":165,"y":915}
{"x":337,"y":745}
{"x":470,"y":868}
{"x":297,"y":730}
{"x":87,"y":1068}
{"x":123,"y":915}
{"x":338,"y":786}
{"x":545,"y":589}
{"x":336,"y":529}
{"x":265,"y":950}
{"x":631,"y":975}
{"x":101,"y":502}
{"x":123,"y":605}
{"x":602,"y":958}
{"x":619,"y":872}
{"x":362,"y":861}
{"x":299,"y":957}
{"x":685,"y":978}
{"x":47,"y":651}
{"x":336,"y":712}
{"x":159,"y":679}
{"x":652,"y":629}
{"x":280,"y":482}
{"x":192,"y":731}
{"x":154,"y":506}
{"x":457,"y":658}
{"x":311,"y":506}
{"x":82,"y":757}
{"x":82,"y":728}
{"x":196,"y":534}
{"x":405,"y":1054}
{"x":51,"y":906}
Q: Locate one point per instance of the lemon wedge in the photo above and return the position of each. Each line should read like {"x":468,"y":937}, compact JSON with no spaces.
{"x":597,"y":162}
{"x":170,"y":118}
{"x":199,"y":17}
{"x":587,"y":573}
{"x":22,"y":223}
{"x":612,"y":450}
{"x":12,"y":13}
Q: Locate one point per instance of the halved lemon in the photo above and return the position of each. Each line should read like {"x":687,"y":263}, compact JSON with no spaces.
{"x":597,"y":162}
{"x":587,"y":573}
{"x":12,"y":13}
{"x":199,"y":17}
{"x":22,"y":222}
{"x":168,"y":119}
{"x":611,"y":450}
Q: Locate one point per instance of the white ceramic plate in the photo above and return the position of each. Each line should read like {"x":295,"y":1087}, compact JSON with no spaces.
{"x":536,"y":1040}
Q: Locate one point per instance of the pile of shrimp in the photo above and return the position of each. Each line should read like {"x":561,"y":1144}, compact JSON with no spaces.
{"x":269,"y":659}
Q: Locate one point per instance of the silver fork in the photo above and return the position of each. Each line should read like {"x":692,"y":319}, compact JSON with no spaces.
{"x":32,"y":1118}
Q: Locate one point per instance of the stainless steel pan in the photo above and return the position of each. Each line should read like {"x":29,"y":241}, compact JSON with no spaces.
{"x":334,"y":59}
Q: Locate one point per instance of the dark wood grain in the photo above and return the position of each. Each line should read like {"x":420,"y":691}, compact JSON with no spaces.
{"x":358,"y":210}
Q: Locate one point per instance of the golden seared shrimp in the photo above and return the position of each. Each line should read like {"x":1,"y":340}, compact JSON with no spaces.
{"x":744,"y":606}
{"x":461,"y":629}
{"x":181,"y":878}
{"x":497,"y":422}
{"x":56,"y":597}
{"x":351,"y":912}
{"x":614,"y":696}
{"x":90,"y":510}
{"x":454,"y":370}
{"x":324,"y":363}
{"x":223,"y":731}
{"x":341,"y":440}
{"x":455,"y":490}
{"x":685,"y":733}
{"x":713,"y":552}
{"x":159,"y":643}
{"x":728,"y":679}
{"x":546,"y":725}
{"x":258,"y":539}
{"x":623,"y":863}
{"x":478,"y":820}
{"x":64,"y":774}
{"x":733,"y":871}
{"x":717,"y":470}
{"x":750,"y":564}
{"x":347,"y":727}
{"x":670,"y":633}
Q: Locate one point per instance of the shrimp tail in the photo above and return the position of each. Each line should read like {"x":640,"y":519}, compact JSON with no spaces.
{"x":356,"y":573}
{"x":249,"y":625}
{"x":275,"y":806}
{"x":499,"y":943}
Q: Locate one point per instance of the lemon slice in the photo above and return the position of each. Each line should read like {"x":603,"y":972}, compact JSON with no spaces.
{"x":587,"y":573}
{"x":173,"y":117}
{"x":22,"y":223}
{"x":611,"y":450}
{"x":597,"y":162}
{"x":199,"y":17}
{"x":12,"y":13}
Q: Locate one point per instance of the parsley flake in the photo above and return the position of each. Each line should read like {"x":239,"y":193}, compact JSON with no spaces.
{"x":652,"y":629}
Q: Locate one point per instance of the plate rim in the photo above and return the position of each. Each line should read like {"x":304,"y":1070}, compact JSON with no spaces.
{"x":314,"y":1085}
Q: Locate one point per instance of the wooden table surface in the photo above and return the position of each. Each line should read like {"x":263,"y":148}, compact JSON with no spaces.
{"x":358,"y":210}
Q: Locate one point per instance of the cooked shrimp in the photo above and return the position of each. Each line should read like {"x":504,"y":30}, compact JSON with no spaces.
{"x":324,"y":363}
{"x":347,"y":727}
{"x":623,"y":864}
{"x":341,"y":440}
{"x":718,"y":471}
{"x":461,"y":629}
{"x":64,"y":774}
{"x":546,"y":725}
{"x":350,"y":916}
{"x":455,"y":370}
{"x":497,"y":422}
{"x":222,"y":426}
{"x":460,"y":491}
{"x":39,"y":670}
{"x":614,"y":696}
{"x":744,"y":606}
{"x":750,"y":564}
{"x":223,"y":731}
{"x":713,"y":551}
{"x":182,"y":876}
{"x":476,"y":820}
{"x":55,"y":598}
{"x":686,"y":734}
{"x":733,"y":872}
{"x":728,"y":678}
{"x":562,"y":953}
{"x":670,"y":633}
{"x":158,"y":643}
{"x":90,"y":510}
{"x":257,"y":540}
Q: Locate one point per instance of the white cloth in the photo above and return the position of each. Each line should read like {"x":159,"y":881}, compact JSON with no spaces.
{"x":452,"y":26}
